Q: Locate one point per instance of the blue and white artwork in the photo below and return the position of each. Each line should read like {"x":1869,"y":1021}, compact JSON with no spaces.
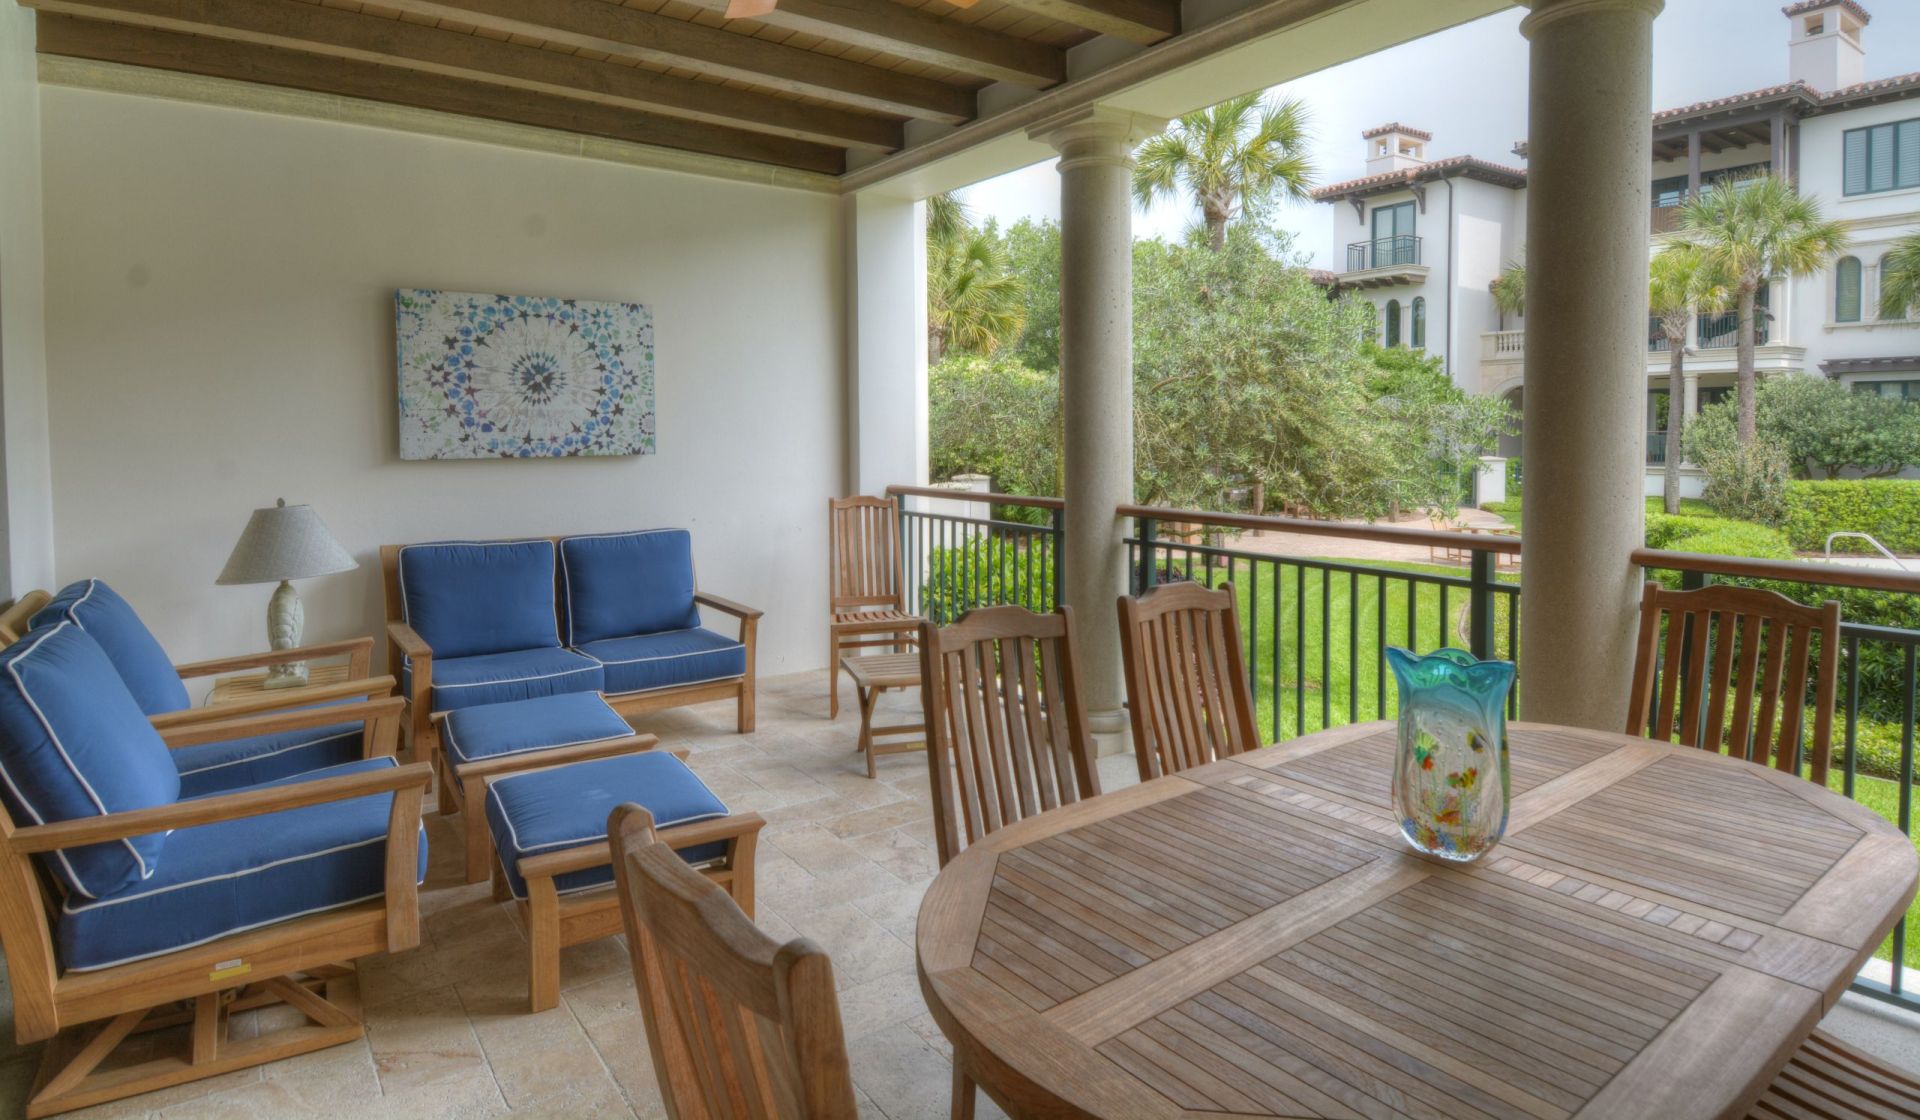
{"x":522,"y":377}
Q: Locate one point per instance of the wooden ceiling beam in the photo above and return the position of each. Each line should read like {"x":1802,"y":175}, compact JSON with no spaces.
{"x":338,"y":33}
{"x":247,"y":62}
{"x":892,"y":28}
{"x":596,"y":25}
{"x":1137,"y":21}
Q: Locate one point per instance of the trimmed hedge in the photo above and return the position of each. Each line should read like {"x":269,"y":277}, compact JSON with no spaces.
{"x":1888,"y":508}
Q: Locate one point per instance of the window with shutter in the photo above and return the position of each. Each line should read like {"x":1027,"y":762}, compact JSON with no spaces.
{"x":1906,"y":154}
{"x":1419,"y":322}
{"x":1854,"y":161}
{"x":1846,"y":290}
{"x":1880,"y":157}
{"x":1393,"y":322}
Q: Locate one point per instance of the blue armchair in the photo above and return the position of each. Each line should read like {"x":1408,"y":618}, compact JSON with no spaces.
{"x":133,"y":878}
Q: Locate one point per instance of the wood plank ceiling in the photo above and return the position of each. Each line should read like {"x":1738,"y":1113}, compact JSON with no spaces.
{"x":797,"y":88}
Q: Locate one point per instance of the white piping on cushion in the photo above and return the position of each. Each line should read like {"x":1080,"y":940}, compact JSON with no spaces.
{"x":517,"y":680}
{"x":446,"y":733}
{"x":663,"y":657}
{"x":271,"y":754}
{"x":13,"y":671}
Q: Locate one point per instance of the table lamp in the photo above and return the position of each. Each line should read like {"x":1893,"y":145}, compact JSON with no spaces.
{"x":279,"y":544}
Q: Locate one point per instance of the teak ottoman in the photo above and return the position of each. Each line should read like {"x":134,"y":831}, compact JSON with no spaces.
{"x":488,"y":740}
{"x":550,"y":830}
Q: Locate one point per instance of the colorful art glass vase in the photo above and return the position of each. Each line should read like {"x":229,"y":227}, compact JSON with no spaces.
{"x":1450,"y":786}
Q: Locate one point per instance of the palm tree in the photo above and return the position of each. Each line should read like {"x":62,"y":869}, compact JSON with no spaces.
{"x":974,"y":301}
{"x":1900,"y":278}
{"x":1233,"y":158}
{"x":1510,"y":292}
{"x":1751,"y":230}
{"x":1680,"y":280}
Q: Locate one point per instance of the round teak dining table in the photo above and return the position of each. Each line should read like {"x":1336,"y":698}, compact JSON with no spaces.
{"x":1657,"y":933}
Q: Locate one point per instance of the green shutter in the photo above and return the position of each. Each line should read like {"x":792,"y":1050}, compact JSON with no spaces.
{"x":1906,"y":154}
{"x":1393,"y":322}
{"x":1419,"y":322}
{"x":1880,"y":158}
{"x":1846,"y":286}
{"x":1854,"y":159}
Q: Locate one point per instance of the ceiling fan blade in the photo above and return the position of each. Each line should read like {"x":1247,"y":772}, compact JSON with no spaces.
{"x":749,"y":9}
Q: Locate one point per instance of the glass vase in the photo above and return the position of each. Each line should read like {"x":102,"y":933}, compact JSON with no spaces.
{"x":1450,"y":787}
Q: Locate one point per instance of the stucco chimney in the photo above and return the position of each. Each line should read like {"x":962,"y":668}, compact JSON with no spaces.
{"x":1823,"y":43}
{"x":1395,"y":147}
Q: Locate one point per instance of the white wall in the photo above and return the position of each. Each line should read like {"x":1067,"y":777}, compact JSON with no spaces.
{"x":1875,"y":221}
{"x":26,"y":510}
{"x":220,"y":333}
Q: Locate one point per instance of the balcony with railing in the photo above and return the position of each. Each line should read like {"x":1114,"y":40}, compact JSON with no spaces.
{"x":1314,"y":629}
{"x":1381,"y":261}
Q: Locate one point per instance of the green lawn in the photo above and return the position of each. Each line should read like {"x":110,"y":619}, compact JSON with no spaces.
{"x":1689,"y":507}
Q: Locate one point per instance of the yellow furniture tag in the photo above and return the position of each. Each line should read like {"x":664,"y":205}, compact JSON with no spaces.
{"x":226,"y":969}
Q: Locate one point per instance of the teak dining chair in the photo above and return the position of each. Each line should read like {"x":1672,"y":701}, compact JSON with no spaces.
{"x":740,"y":1025}
{"x":865,"y":589}
{"x":1187,"y":691}
{"x":1732,"y":675}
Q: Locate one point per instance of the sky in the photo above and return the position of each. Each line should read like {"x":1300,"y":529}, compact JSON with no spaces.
{"x":1468,"y":87}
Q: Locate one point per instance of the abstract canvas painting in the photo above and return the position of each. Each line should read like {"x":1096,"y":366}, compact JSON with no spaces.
{"x":522,"y":377}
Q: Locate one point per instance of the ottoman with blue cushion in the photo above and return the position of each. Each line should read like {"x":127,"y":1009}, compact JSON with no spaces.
{"x":550,"y":830}
{"x":488,"y":740}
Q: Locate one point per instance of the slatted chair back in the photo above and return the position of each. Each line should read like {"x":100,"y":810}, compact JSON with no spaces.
{"x":1187,"y":690}
{"x":864,"y":570}
{"x":741,"y":1026}
{"x":1731,"y":674}
{"x":1006,"y":725}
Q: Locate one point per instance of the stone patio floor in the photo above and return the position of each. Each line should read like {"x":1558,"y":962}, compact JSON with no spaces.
{"x":844,"y":860}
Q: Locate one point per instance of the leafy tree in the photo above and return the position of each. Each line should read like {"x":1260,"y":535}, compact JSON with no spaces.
{"x":1900,"y":279}
{"x":1234,"y":159}
{"x":1680,"y":281}
{"x":974,"y":303}
{"x":1437,"y":430}
{"x":1817,"y":424}
{"x":1244,"y":373}
{"x":1033,"y":255}
{"x":1510,"y":292}
{"x":994,"y":416}
{"x":1752,"y":229}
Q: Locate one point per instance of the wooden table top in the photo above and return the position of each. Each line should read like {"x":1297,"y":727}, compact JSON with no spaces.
{"x":888,"y":670}
{"x":1659,"y":930}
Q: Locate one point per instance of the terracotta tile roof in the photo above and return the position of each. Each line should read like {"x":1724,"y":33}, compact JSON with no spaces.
{"x":1396,"y":126}
{"x":1483,"y":170}
{"x":1815,"y":5}
{"x":1900,"y":83}
{"x":1750,"y":96}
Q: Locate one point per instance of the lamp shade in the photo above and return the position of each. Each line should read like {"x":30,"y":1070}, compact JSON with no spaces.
{"x":285,"y":542}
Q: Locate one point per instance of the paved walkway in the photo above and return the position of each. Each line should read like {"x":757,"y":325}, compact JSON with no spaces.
{"x":1310,"y":544}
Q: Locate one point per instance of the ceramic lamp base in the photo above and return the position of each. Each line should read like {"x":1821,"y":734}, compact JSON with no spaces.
{"x":286,"y":619}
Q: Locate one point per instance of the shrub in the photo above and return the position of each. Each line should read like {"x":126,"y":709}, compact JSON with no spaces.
{"x":1887,"y":508}
{"x":1513,"y":479}
{"x":986,"y":572}
{"x":1720,"y":537}
{"x":1818,"y":424}
{"x":1747,"y":483}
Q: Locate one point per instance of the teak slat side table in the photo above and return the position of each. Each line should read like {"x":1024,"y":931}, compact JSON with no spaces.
{"x":1657,"y":933}
{"x":247,"y":686}
{"x":872,"y":676}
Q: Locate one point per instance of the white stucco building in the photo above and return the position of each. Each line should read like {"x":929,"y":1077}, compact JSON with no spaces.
{"x":1423,"y":238}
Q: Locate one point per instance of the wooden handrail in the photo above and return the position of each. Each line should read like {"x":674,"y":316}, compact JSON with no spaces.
{"x":975,"y":496}
{"x":1475,"y":542}
{"x":1832,"y":575}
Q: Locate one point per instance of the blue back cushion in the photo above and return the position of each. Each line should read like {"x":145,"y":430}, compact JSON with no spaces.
{"x":99,"y":610}
{"x":73,"y":743}
{"x":617,"y":585}
{"x":472,"y":597}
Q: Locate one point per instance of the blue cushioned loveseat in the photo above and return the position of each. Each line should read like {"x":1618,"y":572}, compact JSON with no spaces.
{"x":132,"y":877}
{"x":488,"y":622}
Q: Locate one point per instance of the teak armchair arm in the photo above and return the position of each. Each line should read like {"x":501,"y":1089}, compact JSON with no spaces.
{"x":380,"y":717}
{"x":706,"y":599}
{"x":409,"y":642}
{"x":371,"y":688}
{"x":357,"y":651}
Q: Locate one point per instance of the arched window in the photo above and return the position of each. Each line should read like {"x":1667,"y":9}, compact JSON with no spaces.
{"x":1419,"y":322}
{"x":1393,"y":322}
{"x":1846,"y":290}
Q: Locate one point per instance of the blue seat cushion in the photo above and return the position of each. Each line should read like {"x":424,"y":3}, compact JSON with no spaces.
{"x":230,"y":876}
{"x":73,"y":744}
{"x":567,"y":806}
{"x":520,"y":726}
{"x":218,"y":767}
{"x":472,"y":597}
{"x":496,"y":678}
{"x":99,"y":610}
{"x":618,"y":584}
{"x":678,"y":657}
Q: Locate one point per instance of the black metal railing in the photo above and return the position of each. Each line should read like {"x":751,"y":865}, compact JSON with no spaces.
{"x":1315,"y":631}
{"x":1656,"y":449}
{"x":1722,"y":330}
{"x":1379,"y":252}
{"x":1879,"y":675}
{"x":954,"y":561}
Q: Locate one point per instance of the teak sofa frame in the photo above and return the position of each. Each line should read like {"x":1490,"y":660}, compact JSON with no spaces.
{"x":304,"y":962}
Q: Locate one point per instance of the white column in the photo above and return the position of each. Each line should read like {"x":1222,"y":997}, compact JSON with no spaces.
{"x":886,"y":260}
{"x":1588,"y":181}
{"x":26,"y":467}
{"x":1096,"y":381}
